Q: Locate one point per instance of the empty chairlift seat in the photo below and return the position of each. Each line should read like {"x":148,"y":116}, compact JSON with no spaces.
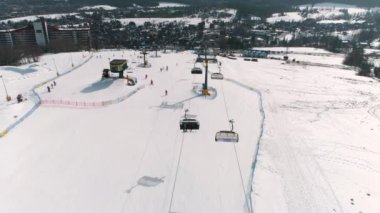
{"x":189,"y":124}
{"x":217,"y":76}
{"x":227,"y":136}
{"x":196,"y":70}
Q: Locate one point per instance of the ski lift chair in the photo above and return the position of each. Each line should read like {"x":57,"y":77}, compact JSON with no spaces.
{"x":196,"y":70}
{"x":188,"y":123}
{"x":217,"y":76}
{"x":227,"y":136}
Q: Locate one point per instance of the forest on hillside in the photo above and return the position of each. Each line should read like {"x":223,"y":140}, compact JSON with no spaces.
{"x":363,"y":3}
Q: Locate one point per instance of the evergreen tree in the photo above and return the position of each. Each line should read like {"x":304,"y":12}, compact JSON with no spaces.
{"x":357,"y":59}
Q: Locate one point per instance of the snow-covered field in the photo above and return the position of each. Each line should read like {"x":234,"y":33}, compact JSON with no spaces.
{"x":315,"y":130}
{"x":286,"y":17}
{"x":170,"y":4}
{"x":97,"y":7}
{"x":326,"y":13}
{"x":351,"y":9}
{"x":341,"y":21}
{"x":296,"y":50}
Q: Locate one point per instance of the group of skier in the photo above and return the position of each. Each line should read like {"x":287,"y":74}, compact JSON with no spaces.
{"x":51,"y":86}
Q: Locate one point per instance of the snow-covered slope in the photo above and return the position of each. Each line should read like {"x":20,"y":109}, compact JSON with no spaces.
{"x":317,"y":129}
{"x":21,"y":80}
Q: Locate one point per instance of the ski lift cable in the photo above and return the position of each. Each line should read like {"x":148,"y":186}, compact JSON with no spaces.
{"x":145,"y":151}
{"x":179,"y":160}
{"x":176,"y":172}
{"x":236,"y":154}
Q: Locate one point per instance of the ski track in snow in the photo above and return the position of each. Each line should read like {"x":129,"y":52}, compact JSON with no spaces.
{"x":375,"y":112}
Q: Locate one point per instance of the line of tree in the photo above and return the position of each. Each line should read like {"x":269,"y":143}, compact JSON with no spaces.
{"x":357,"y":59}
{"x":19,"y":55}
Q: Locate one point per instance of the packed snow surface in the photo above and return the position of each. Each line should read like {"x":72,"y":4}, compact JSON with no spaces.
{"x":21,"y":79}
{"x":315,"y":130}
{"x":97,"y":7}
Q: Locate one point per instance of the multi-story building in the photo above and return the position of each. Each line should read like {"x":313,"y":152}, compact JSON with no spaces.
{"x":40,"y":34}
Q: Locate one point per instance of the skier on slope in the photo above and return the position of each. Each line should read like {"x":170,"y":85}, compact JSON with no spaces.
{"x":48,"y":88}
{"x":151,"y":82}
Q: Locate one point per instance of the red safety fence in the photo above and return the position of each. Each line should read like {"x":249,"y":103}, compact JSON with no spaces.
{"x":89,"y":104}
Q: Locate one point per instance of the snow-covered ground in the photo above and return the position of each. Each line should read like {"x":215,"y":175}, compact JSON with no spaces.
{"x":286,"y":17}
{"x":351,"y":9}
{"x":299,"y":50}
{"x":317,"y":129}
{"x":170,"y":4}
{"x":346,"y":35}
{"x":376,"y":43}
{"x":97,"y":7}
{"x":326,"y":13}
{"x":21,"y":79}
{"x":341,"y":21}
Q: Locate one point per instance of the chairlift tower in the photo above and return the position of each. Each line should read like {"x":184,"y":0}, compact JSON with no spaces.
{"x":205,"y":85}
{"x":144,"y":53}
{"x":156,"y":49}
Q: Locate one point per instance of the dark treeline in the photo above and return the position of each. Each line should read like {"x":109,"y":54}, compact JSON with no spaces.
{"x":258,"y":3}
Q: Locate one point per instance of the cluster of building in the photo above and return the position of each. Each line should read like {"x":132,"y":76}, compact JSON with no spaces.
{"x":39,"y":33}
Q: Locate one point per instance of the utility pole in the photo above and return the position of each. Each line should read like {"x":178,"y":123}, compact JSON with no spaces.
{"x":55,"y":65}
{"x":144,"y":52}
{"x":72,"y":63}
{"x":5,"y":88}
